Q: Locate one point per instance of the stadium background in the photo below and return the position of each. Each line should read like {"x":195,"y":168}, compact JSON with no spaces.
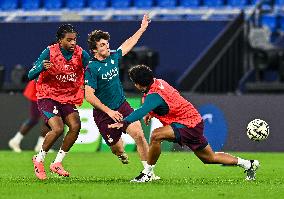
{"x":225,"y":56}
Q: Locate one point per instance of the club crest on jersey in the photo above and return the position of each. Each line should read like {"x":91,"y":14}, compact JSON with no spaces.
{"x":112,"y":61}
{"x":110,"y":74}
{"x":110,"y":140}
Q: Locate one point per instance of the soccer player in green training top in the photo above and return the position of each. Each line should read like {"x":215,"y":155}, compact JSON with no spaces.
{"x":103,"y":90}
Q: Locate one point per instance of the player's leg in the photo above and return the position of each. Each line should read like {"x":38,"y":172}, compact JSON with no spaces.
{"x":112,"y":137}
{"x":72,"y":120}
{"x":43,"y":131}
{"x":33,"y":119}
{"x":56,"y":126}
{"x":158,"y":135}
{"x":208,"y":156}
{"x":118,"y":150}
{"x":136,"y":132}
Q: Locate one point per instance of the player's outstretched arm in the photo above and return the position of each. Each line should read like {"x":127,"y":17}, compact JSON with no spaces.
{"x":130,"y":42}
{"x":96,"y":103}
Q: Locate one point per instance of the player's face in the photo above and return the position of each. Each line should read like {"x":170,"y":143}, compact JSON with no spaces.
{"x":143,"y":89}
{"x":69,"y":41}
{"x":102,"y":50}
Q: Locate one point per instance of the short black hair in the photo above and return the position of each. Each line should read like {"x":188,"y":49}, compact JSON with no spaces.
{"x":141,"y":74}
{"x":63,"y":29}
{"x":95,"y":36}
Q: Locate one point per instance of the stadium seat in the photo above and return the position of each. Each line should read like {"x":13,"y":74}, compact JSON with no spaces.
{"x":213,"y":3}
{"x":166,"y":3}
{"x":124,"y":17}
{"x":120,"y":4}
{"x":75,"y":4}
{"x":52,"y":4}
{"x":8,"y":4}
{"x":237,"y":3}
{"x":279,"y":3}
{"x":97,"y":4}
{"x":171,"y":17}
{"x":189,"y":3}
{"x":270,"y":21}
{"x":30,"y":4}
{"x":143,"y":3}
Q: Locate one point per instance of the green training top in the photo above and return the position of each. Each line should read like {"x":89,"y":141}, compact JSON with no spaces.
{"x":103,"y":76}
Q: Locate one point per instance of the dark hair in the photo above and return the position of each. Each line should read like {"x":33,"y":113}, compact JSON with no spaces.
{"x":95,"y":36}
{"x":141,"y":74}
{"x":63,"y":29}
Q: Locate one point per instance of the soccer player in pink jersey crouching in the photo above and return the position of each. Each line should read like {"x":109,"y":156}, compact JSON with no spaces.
{"x":182,"y":124}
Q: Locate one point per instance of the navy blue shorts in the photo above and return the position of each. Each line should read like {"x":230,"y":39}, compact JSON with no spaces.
{"x":191,"y":137}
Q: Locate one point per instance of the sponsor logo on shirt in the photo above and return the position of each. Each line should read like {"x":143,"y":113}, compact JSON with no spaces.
{"x":67,"y":77}
{"x":110,"y":74}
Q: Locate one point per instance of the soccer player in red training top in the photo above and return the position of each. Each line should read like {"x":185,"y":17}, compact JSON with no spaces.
{"x":182,"y":124}
{"x":14,"y":143}
{"x":60,"y":86}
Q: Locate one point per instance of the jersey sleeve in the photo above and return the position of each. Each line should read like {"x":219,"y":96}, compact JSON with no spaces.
{"x":91,"y":76}
{"x":38,"y":66}
{"x":151,"y":102}
{"x":118,"y":53}
{"x":85,"y":58}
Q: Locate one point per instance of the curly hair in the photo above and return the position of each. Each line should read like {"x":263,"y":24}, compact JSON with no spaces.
{"x":63,"y":29}
{"x":95,"y":36}
{"x":141,"y":74}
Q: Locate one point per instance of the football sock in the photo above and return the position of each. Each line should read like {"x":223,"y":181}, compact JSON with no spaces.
{"x":40,"y":141}
{"x":18,"y":137}
{"x":60,"y":155}
{"x":144,"y":163}
{"x":244,"y":163}
{"x":148,"y":169}
{"x":41,"y":155}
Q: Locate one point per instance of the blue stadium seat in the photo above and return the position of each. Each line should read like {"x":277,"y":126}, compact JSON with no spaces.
{"x":171,"y":17}
{"x":281,"y":22}
{"x":166,"y":3}
{"x":269,"y":20}
{"x":124,"y":17}
{"x":8,"y":4}
{"x":237,"y":3}
{"x":52,"y":4}
{"x":143,"y":3}
{"x":189,"y":3}
{"x":30,"y":4}
{"x":279,"y":3}
{"x":75,"y":4}
{"x":97,"y":4}
{"x":120,"y":4}
{"x":192,"y":17}
{"x":213,"y":3}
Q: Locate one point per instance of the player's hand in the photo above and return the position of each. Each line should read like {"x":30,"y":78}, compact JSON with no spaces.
{"x":115,"y":125}
{"x":115,"y":115}
{"x":46,"y":64}
{"x":147,"y":119}
{"x":145,"y":22}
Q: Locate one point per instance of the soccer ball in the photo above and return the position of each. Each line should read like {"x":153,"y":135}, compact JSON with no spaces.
{"x":257,"y":130}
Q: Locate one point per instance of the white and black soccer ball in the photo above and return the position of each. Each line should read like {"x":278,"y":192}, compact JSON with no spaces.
{"x":257,"y":130}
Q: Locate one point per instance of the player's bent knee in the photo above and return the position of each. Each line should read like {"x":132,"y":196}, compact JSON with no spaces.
{"x":75,"y":127}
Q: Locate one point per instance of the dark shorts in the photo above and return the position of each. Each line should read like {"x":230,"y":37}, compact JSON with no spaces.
{"x":34,"y":111}
{"x":191,"y":137}
{"x":111,"y":136}
{"x":49,"y":108}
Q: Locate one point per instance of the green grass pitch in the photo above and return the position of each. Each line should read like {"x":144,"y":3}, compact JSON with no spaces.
{"x":101,"y":175}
